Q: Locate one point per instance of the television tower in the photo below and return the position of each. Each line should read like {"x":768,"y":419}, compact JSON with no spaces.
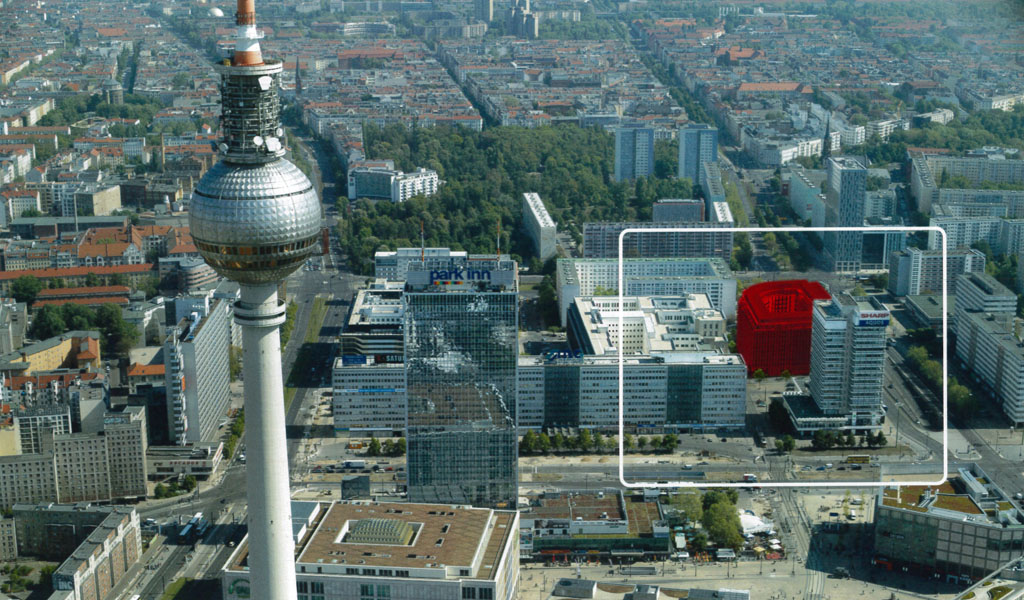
{"x":255,"y":218}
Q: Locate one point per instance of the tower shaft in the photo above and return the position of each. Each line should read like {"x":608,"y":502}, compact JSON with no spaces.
{"x":271,"y":546}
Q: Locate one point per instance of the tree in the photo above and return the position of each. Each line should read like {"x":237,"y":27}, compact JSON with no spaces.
{"x":400,"y":447}
{"x":788,"y":443}
{"x":823,"y":439}
{"x":785,"y":374}
{"x":234,"y":362}
{"x":544,"y":443}
{"x":599,"y":441}
{"x":118,"y":335}
{"x":92,"y":280}
{"x":374,"y":448}
{"x":690,"y":504}
{"x":557,"y":442}
{"x":190,"y":483}
{"x":528,"y":445}
{"x":669,"y":442}
{"x":47,"y":323}
{"x":26,"y":288}
{"x":699,"y":541}
{"x":119,"y":279}
{"x":780,"y":447}
{"x":641,"y":443}
{"x":584,"y":441}
{"x":849,"y":440}
{"x":880,"y":440}
{"x":628,"y":443}
{"x":655,"y":442}
{"x":160,"y":491}
{"x":722,"y":523}
{"x":759,"y":375}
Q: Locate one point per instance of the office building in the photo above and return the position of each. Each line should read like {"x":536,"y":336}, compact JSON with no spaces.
{"x":844,"y":207}
{"x":393,"y":265}
{"x":913,"y":271}
{"x":662,"y":392}
{"x":698,"y":143}
{"x":72,"y":349}
{"x":374,"y":324}
{"x":773,"y":326}
{"x":539,"y":225}
{"x":848,"y":340}
{"x":649,"y":324}
{"x":678,"y":209}
{"x":634,"y":152}
{"x":196,"y":372}
{"x":368,"y":396}
{"x":601,"y":240}
{"x":198,"y":460}
{"x":407,"y":550}
{"x":963,"y":528}
{"x":647,"y":277}
{"x":461,"y":328}
{"x":988,"y":341}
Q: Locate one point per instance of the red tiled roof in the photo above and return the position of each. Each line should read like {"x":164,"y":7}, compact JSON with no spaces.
{"x":137,"y":370}
{"x":77,"y":271}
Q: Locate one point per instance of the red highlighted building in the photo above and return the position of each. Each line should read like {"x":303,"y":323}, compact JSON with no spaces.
{"x":773,"y":326}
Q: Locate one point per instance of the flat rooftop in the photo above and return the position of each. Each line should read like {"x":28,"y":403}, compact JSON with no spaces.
{"x":569,"y":506}
{"x":968,"y":494}
{"x":444,"y":535}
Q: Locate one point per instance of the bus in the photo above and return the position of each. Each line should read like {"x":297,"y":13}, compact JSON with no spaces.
{"x":858,"y":459}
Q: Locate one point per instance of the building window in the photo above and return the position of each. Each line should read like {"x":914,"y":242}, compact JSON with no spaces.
{"x":317,"y":587}
{"x":468,"y":593}
{"x":303,"y":587}
{"x":383,"y":591}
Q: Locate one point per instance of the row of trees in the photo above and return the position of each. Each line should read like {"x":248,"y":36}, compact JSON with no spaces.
{"x":826,"y":439}
{"x":388,"y":448}
{"x":235,"y":434}
{"x":117,"y":336}
{"x":962,"y":402}
{"x":587,"y":441}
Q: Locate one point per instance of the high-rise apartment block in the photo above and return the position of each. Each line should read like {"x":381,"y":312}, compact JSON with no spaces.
{"x":698,"y":143}
{"x":844,"y":207}
{"x":461,"y":351}
{"x":81,"y":467}
{"x":634,"y":152}
{"x":677,"y":209}
{"x":988,"y":341}
{"x":848,"y":341}
{"x":601,"y":240}
{"x":196,"y":373}
{"x":913,"y":271}
{"x":541,"y":228}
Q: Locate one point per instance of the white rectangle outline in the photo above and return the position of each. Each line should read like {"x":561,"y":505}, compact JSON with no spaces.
{"x":774,"y":484}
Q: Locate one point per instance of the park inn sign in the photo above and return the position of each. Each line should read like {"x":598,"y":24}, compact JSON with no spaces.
{"x":458,"y":275}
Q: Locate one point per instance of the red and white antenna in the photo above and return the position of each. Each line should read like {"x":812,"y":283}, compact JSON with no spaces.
{"x":247,"y":39}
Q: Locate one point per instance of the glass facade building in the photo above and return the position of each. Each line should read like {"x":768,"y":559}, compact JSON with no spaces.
{"x":461,"y":351}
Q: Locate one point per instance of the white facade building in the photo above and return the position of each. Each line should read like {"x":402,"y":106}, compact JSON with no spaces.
{"x":848,"y":340}
{"x":368,"y":396}
{"x":541,"y":228}
{"x":421,"y":182}
{"x":648,"y":277}
{"x":394,"y":265}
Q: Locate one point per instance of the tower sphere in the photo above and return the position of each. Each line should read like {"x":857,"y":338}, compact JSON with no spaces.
{"x":255,"y":223}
